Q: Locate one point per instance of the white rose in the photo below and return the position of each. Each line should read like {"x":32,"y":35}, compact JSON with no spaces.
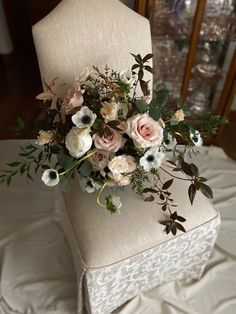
{"x":78,"y":142}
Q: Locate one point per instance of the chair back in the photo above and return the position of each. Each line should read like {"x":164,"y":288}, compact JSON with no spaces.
{"x":81,"y":33}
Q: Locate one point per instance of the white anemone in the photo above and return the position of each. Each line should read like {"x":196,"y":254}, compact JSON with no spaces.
{"x":196,"y":138}
{"x":169,"y":142}
{"x":126,"y":77}
{"x":91,"y":186}
{"x":84,"y":118}
{"x":50,"y":177}
{"x":152,"y":159}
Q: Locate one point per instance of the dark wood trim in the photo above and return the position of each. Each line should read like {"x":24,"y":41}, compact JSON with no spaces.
{"x":225,"y":100}
{"x":197,"y":22}
{"x":144,"y":7}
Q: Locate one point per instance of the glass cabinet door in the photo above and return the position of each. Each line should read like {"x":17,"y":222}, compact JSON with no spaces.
{"x":171,"y":24}
{"x":216,"y":45}
{"x":172,"y":31}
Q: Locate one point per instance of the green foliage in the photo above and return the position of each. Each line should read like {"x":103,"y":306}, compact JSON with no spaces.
{"x":109,"y":205}
{"x":19,"y":128}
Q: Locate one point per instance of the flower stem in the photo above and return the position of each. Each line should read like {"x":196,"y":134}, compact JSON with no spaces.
{"x":99,"y":195}
{"x":170,"y":174}
{"x":77,"y":163}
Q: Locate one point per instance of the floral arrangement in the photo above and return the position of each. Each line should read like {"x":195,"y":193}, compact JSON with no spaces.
{"x":104,"y":134}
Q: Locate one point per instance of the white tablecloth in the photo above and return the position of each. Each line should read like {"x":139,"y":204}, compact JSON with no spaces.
{"x":37,"y":274}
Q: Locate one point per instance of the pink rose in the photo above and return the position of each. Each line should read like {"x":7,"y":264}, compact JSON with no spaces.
{"x":144,"y":131}
{"x":73,"y":100}
{"x":112,"y":142}
{"x":99,"y":160}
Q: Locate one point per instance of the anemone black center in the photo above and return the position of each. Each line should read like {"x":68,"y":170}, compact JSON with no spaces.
{"x":89,"y":183}
{"x":86,"y":119}
{"x":150,"y":158}
{"x":52,"y":175}
{"x":167,"y":142}
{"x":195,"y":138}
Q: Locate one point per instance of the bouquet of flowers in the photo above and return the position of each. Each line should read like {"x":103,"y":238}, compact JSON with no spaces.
{"x":105,"y":135}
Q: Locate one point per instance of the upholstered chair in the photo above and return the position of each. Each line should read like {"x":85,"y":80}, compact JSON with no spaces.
{"x":117,"y":256}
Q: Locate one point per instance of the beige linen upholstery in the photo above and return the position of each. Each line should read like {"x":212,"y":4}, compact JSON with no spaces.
{"x":81,"y":33}
{"x":117,"y":256}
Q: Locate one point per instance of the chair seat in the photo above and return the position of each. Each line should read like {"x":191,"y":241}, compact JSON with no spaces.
{"x":117,"y":256}
{"x":105,"y":238}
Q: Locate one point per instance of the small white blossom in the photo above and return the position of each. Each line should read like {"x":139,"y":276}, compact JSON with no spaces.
{"x":116,"y":201}
{"x":50,"y":177}
{"x":126,"y":77}
{"x":196,"y":138}
{"x":91,"y":186}
{"x":152,"y":159}
{"x":169,"y":142}
{"x":84,"y":118}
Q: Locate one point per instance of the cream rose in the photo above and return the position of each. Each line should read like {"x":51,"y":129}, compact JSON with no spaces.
{"x":178,"y":115}
{"x":99,"y":159}
{"x":122,"y":164}
{"x":119,"y":179}
{"x":144,"y":131}
{"x":78,"y":142}
{"x":109,"y":111}
{"x":44,"y":137}
{"x":112,"y":142}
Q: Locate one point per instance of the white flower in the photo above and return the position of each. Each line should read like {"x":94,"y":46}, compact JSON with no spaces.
{"x":126,"y":77}
{"x":116,"y":201}
{"x":91,"y":186}
{"x":152,"y":159}
{"x":44,"y":137}
{"x":78,"y":142}
{"x":50,"y":177}
{"x":169,"y":142}
{"x":84,"y":118}
{"x":196,"y":138}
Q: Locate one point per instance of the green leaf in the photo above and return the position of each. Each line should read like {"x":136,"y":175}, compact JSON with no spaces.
{"x":180,"y":227}
{"x":54,"y":149}
{"x":169,"y":86}
{"x":206,"y":190}
{"x":85,"y":168}
{"x":147,"y":57}
{"x":64,"y":160}
{"x":194,"y":169}
{"x":21,"y":123}
{"x":149,"y":69}
{"x":109,"y":205}
{"x":141,"y":105}
{"x":149,"y":190}
{"x":156,"y":105}
{"x":14,"y":164}
{"x":149,"y":198}
{"x":192,"y":192}
{"x":64,"y":186}
{"x":167,"y":184}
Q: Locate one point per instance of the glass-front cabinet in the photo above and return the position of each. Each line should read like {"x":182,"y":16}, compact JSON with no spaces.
{"x":194,"y":45}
